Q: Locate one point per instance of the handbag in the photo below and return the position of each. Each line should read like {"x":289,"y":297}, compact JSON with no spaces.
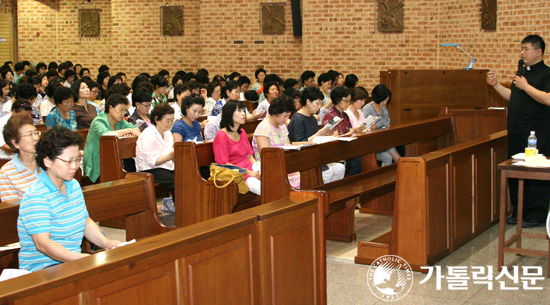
{"x":228,"y":173}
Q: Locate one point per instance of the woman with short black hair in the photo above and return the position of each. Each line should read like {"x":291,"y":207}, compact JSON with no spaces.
{"x":62,"y":114}
{"x":160,"y":84}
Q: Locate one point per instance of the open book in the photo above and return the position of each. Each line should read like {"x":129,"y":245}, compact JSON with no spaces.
{"x":370,"y":120}
{"x":333,"y":122}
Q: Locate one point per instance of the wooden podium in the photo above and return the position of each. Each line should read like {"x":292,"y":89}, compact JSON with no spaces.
{"x":420,"y":94}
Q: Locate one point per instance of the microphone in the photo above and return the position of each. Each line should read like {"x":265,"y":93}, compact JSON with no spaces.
{"x":521,"y":68}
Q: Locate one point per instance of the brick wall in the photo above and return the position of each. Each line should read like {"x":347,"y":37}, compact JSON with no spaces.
{"x":337,"y":34}
{"x":8,"y":6}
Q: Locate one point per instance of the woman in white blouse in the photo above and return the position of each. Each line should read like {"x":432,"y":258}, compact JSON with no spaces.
{"x":155,"y":147}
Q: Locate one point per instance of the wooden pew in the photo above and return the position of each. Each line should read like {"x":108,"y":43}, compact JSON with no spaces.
{"x":135,"y":202}
{"x":443,"y":199}
{"x":471,"y":124}
{"x":374,"y":189}
{"x":273,"y":254}
{"x":198,"y":199}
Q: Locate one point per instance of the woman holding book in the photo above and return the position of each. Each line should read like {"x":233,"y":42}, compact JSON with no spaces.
{"x":381,"y":97}
{"x":358,"y":97}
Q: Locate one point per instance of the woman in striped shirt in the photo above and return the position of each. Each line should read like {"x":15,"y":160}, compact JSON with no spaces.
{"x":19,"y":173}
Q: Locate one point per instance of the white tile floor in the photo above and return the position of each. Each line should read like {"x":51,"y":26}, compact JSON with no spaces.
{"x":347,"y":281}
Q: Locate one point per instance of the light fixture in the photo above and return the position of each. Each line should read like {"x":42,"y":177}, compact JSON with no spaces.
{"x":457,"y":45}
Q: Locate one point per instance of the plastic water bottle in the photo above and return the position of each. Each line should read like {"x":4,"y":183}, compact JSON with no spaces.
{"x":532,"y":140}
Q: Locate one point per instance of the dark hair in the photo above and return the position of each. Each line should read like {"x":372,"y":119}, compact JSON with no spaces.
{"x":35,"y":80}
{"x":50,"y":88}
{"x":121,"y":89}
{"x":101,"y":77}
{"x":19,"y":66}
{"x":11,"y":129}
{"x":338,"y":93}
{"x":233,"y":75}
{"x":69,"y":73}
{"x":61,"y":94}
{"x":81,"y":73}
{"x":227,"y":114}
{"x":147,"y":75}
{"x":78,"y":65}
{"x":103,"y":68}
{"x":289,"y":83}
{"x":26,"y":91}
{"x":163,"y":73}
{"x":4,"y":72}
{"x":229,"y":86}
{"x":268,"y":85}
{"x":52,"y":65}
{"x":359,"y":93}
{"x":273,"y":78}
{"x":114,"y":100}
{"x":121,"y":74}
{"x":54,"y":142}
{"x":193,"y":99}
{"x":62,"y":66}
{"x":142,"y":95}
{"x":333,"y":75}
{"x":193,"y":85}
{"x":202,"y":79}
{"x":68,"y":64}
{"x":41,"y":65}
{"x":258,"y":71}
{"x":159,"y":81}
{"x":380,"y":93}
{"x":307,"y":75}
{"x":323,"y":78}
{"x":112,"y":80}
{"x":138,"y":81}
{"x":251,"y":96}
{"x":536,"y":41}
{"x":189,"y":76}
{"x":52,"y":73}
{"x":292,"y":92}
{"x":180,"y":73}
{"x":311,"y":94}
{"x":202,"y":71}
{"x":179,"y":89}
{"x":160,"y":111}
{"x":218,"y":78}
{"x":175,"y":80}
{"x":21,"y":104}
{"x":211,"y":87}
{"x":75,"y":86}
{"x":243,"y":80}
{"x":3,"y":84}
{"x":281,"y":104}
{"x":7,"y":63}
{"x":91,"y":83}
{"x":351,"y":81}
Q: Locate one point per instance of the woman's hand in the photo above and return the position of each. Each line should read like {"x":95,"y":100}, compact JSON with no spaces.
{"x":255,"y":174}
{"x":110,"y":244}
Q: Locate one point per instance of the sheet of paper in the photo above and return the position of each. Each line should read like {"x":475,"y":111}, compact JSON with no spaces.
{"x":12,"y":273}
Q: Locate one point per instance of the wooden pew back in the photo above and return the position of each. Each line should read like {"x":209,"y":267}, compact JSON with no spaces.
{"x":270,"y":254}
{"x":113,"y":150}
{"x":475,"y":123}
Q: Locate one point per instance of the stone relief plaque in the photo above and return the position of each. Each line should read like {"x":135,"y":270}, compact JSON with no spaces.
{"x":489,"y":14}
{"x":171,"y":20}
{"x":88,"y":22}
{"x":390,"y":15}
{"x":272,"y":18}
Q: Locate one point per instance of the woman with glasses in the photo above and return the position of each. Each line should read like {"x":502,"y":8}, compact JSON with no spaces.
{"x":141,"y":100}
{"x":52,"y":215}
{"x":112,"y":121}
{"x":62,"y":114}
{"x":20,"y":172}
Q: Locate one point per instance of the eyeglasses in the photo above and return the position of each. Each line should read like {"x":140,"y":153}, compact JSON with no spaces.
{"x":145,"y":105}
{"x":75,"y":161}
{"x":347,"y":100}
{"x":34,"y":133}
{"x":525,"y":49}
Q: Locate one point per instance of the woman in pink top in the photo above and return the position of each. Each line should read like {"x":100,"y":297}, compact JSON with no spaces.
{"x":231,"y":144}
{"x":359,"y":96}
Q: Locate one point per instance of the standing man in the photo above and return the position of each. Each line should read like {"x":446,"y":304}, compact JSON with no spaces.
{"x":528,"y":110}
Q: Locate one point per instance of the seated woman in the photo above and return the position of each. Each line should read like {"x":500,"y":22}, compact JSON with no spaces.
{"x":303,"y":127}
{"x":181,"y":92}
{"x":358,"y":97}
{"x":52,"y":215}
{"x":272,"y":131}
{"x":189,"y":128}
{"x":19,"y":106}
{"x":213,"y":92}
{"x":84,"y":109}
{"x":340,"y":97}
{"x":381,"y":97}
{"x":142,"y":101}
{"x":111,"y":120}
{"x":20,"y":172}
{"x":47,"y":103}
{"x":231,"y":144}
{"x":155,"y":147}
{"x":160,"y":84}
{"x":62,"y":114}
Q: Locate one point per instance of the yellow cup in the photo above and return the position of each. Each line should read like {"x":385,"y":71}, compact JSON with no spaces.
{"x":530,"y":152}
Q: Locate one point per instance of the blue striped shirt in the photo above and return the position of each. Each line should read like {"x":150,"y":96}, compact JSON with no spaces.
{"x":44,"y":209}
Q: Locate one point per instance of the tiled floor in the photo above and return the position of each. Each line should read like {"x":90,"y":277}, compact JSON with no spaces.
{"x":347,"y":281}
